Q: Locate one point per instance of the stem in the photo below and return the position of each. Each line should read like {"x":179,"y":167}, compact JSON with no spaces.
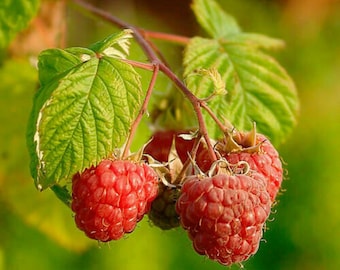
{"x":158,"y":52}
{"x":222,"y":126}
{"x":153,"y":58}
{"x":121,"y":24}
{"x":145,"y":66}
{"x":196,"y":103}
{"x":142,"y":110}
{"x":165,"y":36}
{"x":101,"y":13}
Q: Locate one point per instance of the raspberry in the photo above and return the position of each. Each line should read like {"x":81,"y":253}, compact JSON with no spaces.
{"x":265,"y":161}
{"x":162,"y":212}
{"x":160,"y":145}
{"x":260,"y":154}
{"x":224,"y":215}
{"x":109,"y":199}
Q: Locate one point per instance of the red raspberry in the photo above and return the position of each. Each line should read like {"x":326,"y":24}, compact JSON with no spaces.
{"x":261,"y":156}
{"x":109,"y":199}
{"x":265,"y":160}
{"x":160,"y":145}
{"x":224,"y":215}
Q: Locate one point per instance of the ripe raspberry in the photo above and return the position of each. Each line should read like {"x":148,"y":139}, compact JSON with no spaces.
{"x":109,"y":199}
{"x":224,"y":215}
{"x":160,"y":145}
{"x":162,"y":212}
{"x":265,"y":160}
{"x":260,"y":154}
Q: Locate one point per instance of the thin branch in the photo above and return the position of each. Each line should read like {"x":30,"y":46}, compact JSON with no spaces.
{"x":103,"y":14}
{"x":196,"y":103}
{"x":223,"y":127}
{"x":158,"y":52}
{"x":146,"y":66}
{"x":165,"y":36}
{"x":142,"y":111}
{"x":121,"y":24}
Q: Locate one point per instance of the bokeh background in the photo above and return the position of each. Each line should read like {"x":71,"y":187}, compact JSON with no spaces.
{"x":37,"y":230}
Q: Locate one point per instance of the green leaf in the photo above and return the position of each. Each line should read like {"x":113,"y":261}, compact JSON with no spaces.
{"x":259,"y":89}
{"x":116,"y":45}
{"x":257,"y":41}
{"x":216,"y":22}
{"x":81,"y":113}
{"x":54,"y":62}
{"x":14,"y":17}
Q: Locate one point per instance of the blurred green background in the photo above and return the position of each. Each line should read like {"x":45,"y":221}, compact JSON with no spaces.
{"x":37,"y":230}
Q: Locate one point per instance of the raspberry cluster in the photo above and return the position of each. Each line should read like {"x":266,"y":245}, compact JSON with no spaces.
{"x":224,"y":210}
{"x":223,"y":204}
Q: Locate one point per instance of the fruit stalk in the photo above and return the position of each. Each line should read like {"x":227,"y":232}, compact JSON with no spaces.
{"x":141,"y":112}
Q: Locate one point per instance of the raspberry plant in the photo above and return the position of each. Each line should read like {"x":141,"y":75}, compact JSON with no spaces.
{"x":91,"y":102}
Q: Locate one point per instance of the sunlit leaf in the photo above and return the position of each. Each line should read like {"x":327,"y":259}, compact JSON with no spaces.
{"x":256,"y":40}
{"x":259,"y":89}
{"x":82,"y":111}
{"x":116,"y":45}
{"x":216,"y":22}
{"x":55,"y":62}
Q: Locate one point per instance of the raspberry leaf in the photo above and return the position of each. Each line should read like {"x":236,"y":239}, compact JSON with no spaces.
{"x":62,"y":193}
{"x":83,"y":109}
{"x":215,"y":22}
{"x":54,"y":62}
{"x":259,"y":89}
{"x":116,"y":45}
{"x":220,"y":25}
{"x":256,"y":40}
{"x":14,"y":17}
